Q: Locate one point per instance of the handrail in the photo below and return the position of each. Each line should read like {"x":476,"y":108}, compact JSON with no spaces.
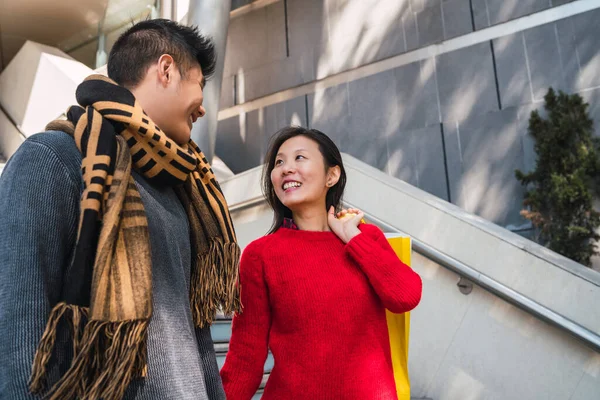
{"x":581,"y":333}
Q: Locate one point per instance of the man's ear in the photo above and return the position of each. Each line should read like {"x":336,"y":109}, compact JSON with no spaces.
{"x":333,"y":175}
{"x":166,"y":69}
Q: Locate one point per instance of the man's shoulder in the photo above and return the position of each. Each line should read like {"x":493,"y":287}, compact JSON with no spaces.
{"x":57,"y":141}
{"x":47,"y":151}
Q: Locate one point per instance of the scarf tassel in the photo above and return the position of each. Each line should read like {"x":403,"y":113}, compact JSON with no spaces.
{"x":231,"y":296}
{"x":108,"y":356}
{"x":74,"y":316}
{"x":214,"y":282}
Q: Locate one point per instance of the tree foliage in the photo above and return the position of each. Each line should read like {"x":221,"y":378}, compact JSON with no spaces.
{"x":561,"y":188}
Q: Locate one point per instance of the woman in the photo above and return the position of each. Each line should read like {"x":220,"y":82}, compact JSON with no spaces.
{"x":316,"y":288}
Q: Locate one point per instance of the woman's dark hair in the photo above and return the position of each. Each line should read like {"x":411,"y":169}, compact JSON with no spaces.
{"x":331,"y":156}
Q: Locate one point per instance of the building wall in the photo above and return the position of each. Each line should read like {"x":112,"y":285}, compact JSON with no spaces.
{"x":452,"y":122}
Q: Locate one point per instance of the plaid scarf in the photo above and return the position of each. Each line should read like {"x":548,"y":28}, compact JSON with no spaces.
{"x":107,"y":293}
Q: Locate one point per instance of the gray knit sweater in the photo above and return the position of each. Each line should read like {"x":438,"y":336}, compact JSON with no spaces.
{"x":39,"y":211}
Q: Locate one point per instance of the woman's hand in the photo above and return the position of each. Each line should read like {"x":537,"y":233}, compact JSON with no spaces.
{"x":345,"y":225}
{"x":347,"y":212}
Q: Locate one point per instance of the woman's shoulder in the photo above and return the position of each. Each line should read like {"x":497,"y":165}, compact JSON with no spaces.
{"x":259,"y":247}
{"x":272,"y":243}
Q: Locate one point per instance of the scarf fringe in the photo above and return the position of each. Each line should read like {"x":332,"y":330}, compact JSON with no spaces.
{"x":75,"y":316}
{"x":214,"y":282}
{"x":230,"y":299}
{"x":108,"y":357}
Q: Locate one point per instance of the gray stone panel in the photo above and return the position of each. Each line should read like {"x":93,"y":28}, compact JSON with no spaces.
{"x":372,"y":12}
{"x":482,"y":154}
{"x":274,"y":77}
{"x":480,"y":14}
{"x":377,"y":10}
{"x":239,"y":3}
{"x":544,"y":60}
{"x":329,"y":112}
{"x":492,"y":12}
{"x":420,"y":5}
{"x":255,"y":39}
{"x":307,"y":27}
{"x":511,"y":66}
{"x":372,"y":151}
{"x":417,"y":157}
{"x":569,"y":58}
{"x":227,"y":93}
{"x":255,"y":128}
{"x":359,"y":33}
{"x":373,"y":117}
{"x":280,"y":115}
{"x":263,"y":123}
{"x":390,"y":42}
{"x":454,"y":160}
{"x":411,"y":31}
{"x":237,"y":146}
{"x":587,"y":32}
{"x":457,"y":18}
{"x":275,"y":19}
{"x":466,"y":82}
{"x":560,"y":2}
{"x":373,"y":106}
{"x":431,"y":27}
{"x":417,"y":95}
{"x":506,"y":10}
{"x":402,"y":163}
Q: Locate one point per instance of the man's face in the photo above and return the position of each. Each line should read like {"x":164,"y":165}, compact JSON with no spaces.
{"x":180,"y":104}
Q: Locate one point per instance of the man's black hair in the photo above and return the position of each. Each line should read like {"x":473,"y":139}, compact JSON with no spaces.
{"x":143,"y":43}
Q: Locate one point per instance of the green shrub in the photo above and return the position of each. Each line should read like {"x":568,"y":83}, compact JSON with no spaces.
{"x":561,"y":189}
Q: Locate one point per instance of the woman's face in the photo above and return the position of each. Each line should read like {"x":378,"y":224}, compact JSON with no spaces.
{"x":299,"y":177}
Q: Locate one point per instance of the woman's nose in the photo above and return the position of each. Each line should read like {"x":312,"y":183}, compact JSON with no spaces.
{"x":289,"y":169}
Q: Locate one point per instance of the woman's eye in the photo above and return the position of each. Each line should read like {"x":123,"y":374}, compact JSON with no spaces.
{"x":299,"y":156}
{"x":278,"y":162}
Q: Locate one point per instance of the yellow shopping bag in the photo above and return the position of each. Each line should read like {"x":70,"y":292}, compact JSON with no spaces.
{"x":399,"y":328}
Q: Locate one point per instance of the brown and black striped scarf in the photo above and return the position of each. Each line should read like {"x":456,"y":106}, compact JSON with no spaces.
{"x":107,"y":292}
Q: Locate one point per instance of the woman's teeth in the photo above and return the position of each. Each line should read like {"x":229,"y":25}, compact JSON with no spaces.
{"x":288,"y":185}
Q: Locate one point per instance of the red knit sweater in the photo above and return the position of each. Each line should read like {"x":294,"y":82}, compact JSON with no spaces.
{"x":318,"y":304}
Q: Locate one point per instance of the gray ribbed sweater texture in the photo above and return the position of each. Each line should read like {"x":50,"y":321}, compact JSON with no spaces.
{"x":39,"y":212}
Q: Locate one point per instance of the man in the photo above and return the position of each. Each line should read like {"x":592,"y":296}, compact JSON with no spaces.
{"x":116,"y":245}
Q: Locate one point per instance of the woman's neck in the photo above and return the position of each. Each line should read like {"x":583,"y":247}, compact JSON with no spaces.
{"x":311,"y":219}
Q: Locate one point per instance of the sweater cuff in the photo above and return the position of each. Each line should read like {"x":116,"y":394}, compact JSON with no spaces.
{"x":360,"y":246}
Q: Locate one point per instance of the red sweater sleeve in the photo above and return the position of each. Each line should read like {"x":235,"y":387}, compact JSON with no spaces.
{"x":396,"y":284}
{"x":248,"y":346}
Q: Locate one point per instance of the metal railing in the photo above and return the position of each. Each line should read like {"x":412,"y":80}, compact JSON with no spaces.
{"x":581,"y":333}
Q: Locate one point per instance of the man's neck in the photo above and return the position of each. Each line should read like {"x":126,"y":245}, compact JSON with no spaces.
{"x":141,"y":97}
